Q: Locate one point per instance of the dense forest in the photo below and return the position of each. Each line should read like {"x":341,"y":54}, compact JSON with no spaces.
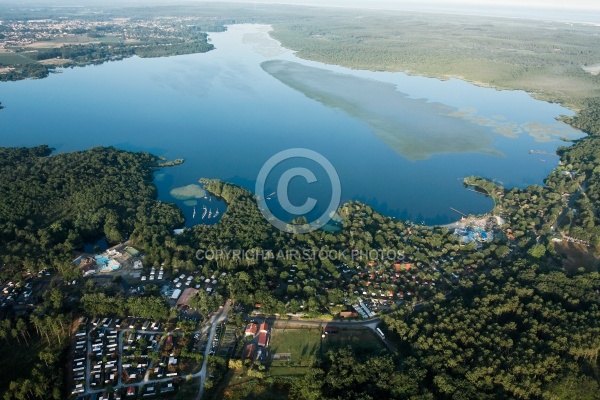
{"x":519,"y":331}
{"x":543,"y":318}
{"x":84,"y":54}
{"x":504,"y":320}
{"x":51,"y":205}
{"x":34,"y":348}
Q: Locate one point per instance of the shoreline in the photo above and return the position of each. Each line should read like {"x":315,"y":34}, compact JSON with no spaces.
{"x":266,"y":30}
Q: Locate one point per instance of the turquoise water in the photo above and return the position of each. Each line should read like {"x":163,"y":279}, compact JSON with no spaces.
{"x":106,"y":264}
{"x":400,"y":143}
{"x":102,"y":260}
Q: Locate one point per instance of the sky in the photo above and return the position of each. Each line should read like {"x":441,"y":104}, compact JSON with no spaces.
{"x":556,"y":4}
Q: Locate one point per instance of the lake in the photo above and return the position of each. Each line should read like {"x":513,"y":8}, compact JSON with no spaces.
{"x":399,"y":143}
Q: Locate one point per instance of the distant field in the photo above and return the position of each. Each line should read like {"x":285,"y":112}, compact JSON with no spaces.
{"x":14,"y":58}
{"x":302,"y":344}
{"x":543,"y":58}
{"x":55,"y":61}
{"x":72,"y":39}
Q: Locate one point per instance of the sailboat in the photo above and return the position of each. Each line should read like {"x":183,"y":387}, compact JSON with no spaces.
{"x":209,"y":213}
{"x":194,"y":213}
{"x":204,"y":212}
{"x":216,"y":213}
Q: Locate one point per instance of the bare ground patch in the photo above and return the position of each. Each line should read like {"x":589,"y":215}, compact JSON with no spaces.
{"x":577,"y":256}
{"x":55,"y":61}
{"x":592,"y":69}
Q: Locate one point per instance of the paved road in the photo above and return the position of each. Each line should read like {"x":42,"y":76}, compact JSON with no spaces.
{"x":216,"y":319}
{"x":88,"y":362}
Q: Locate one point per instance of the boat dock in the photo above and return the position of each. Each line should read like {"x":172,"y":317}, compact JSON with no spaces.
{"x":542,"y":152}
{"x":456,"y":211}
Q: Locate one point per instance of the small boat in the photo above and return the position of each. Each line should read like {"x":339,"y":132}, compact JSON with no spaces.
{"x":204,"y":212}
{"x":194,"y":213}
{"x":216,"y":213}
{"x":209,"y":213}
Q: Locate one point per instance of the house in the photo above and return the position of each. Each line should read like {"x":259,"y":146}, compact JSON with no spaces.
{"x":87,"y":266}
{"x":248,"y":351}
{"x":167,"y":389}
{"x":263,"y":340}
{"x":264,"y":327}
{"x":186,"y":296}
{"x":131,"y":391}
{"x":176,"y":294}
{"x":150,"y":391}
{"x":251,"y":329}
{"x":348,"y":314}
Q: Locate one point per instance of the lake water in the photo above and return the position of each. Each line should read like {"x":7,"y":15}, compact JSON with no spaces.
{"x":400,"y":143}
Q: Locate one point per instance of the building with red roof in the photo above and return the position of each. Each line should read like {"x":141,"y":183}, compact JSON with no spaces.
{"x":251,"y":329}
{"x":264,"y":327}
{"x":263,"y":339}
{"x":186,"y":296}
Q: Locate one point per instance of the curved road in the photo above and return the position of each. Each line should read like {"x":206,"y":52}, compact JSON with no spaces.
{"x":216,"y":320}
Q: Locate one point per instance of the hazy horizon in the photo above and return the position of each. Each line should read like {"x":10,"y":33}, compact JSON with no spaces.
{"x":575,"y":11}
